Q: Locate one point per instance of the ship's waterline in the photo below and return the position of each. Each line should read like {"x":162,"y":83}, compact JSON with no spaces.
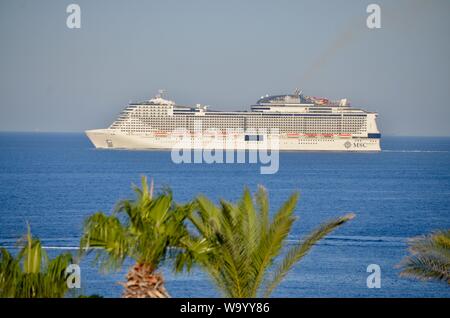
{"x":282,"y":122}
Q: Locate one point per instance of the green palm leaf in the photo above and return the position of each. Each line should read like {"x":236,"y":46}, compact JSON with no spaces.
{"x":296,"y":253}
{"x":31,"y":274}
{"x":238,"y":244}
{"x":147,"y":229}
{"x":429,"y":257}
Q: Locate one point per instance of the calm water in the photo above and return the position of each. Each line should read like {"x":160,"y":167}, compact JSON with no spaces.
{"x":54,"y":181}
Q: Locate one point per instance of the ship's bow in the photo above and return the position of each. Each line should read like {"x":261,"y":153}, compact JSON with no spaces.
{"x":98,"y":137}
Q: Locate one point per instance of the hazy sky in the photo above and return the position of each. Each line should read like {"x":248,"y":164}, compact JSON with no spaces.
{"x":225,"y":54}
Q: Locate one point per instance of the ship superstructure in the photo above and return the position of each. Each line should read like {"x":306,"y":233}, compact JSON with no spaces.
{"x":298,"y":122}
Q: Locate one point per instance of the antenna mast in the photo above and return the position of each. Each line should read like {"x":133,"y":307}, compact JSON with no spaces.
{"x":162,"y":93}
{"x":297,"y":92}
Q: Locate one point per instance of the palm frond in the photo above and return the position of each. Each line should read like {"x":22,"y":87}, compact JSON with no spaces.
{"x":106,"y":236}
{"x":236,"y":244}
{"x":438,"y":242}
{"x":429,"y":257}
{"x":426,"y":267}
{"x":272,"y":242}
{"x":296,"y":253}
{"x":9,"y":274}
{"x":148,"y":229}
{"x":38,"y":277}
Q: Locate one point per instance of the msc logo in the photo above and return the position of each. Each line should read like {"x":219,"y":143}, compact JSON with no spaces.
{"x":359,"y":145}
{"x":347,"y":144}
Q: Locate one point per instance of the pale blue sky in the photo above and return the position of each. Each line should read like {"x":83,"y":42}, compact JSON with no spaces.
{"x":225,"y":54}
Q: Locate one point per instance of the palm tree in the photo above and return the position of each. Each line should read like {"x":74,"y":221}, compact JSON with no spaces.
{"x":238,"y":244}
{"x":32,"y":274}
{"x":143,"y":229}
{"x":429,"y":258}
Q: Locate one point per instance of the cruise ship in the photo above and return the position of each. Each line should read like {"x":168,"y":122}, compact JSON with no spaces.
{"x":293,"y":122}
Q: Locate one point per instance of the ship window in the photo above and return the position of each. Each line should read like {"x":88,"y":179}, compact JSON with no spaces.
{"x":253,"y":137}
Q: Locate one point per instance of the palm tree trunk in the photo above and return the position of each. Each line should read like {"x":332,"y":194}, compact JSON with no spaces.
{"x":143,"y":282}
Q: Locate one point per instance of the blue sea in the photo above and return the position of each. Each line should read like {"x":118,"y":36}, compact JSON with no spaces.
{"x":54,"y":181}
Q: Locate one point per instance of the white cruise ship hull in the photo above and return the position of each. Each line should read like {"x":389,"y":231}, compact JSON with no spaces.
{"x":109,"y":139}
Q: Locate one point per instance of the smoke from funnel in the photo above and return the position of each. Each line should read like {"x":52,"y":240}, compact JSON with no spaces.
{"x":397,"y":16}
